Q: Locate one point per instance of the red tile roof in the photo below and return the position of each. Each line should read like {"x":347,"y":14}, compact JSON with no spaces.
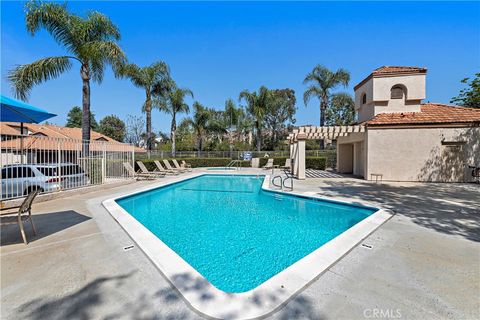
{"x":431,"y":113}
{"x":391,"y":70}
{"x":398,"y":69}
{"x":70,"y":137}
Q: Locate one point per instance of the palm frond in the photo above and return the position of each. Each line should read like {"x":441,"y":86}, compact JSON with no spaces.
{"x":99,"y":53}
{"x":24,"y":77}
{"x":99,"y":27}
{"x":312,"y":91}
{"x":54,"y":18}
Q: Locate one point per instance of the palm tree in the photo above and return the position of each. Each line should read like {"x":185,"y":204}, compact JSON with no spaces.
{"x":257,"y":104}
{"x":90,"y":41}
{"x":322,"y":81}
{"x":231,"y":118}
{"x":199,"y":123}
{"x":173,"y":102}
{"x":149,"y":78}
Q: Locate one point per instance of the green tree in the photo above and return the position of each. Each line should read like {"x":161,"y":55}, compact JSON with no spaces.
{"x":257,"y":104}
{"x":150,"y":79}
{"x":173,"y":102}
{"x":469,"y":97}
{"x":112,"y":127}
{"x":280,"y":111}
{"x":232,"y":116}
{"x":321,"y":82}
{"x":90,"y":41}
{"x":203,"y":122}
{"x":341,"y":110}
{"x":74,"y":119}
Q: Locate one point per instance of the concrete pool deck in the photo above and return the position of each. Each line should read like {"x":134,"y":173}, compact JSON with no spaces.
{"x":424,"y":263}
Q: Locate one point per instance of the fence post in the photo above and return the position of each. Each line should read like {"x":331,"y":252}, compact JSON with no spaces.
{"x":104,"y":163}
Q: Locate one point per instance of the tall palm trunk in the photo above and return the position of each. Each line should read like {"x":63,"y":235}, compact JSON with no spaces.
{"x":173,"y":132}
{"x":259,"y":137}
{"x":85,"y":74}
{"x":323,"y":107}
{"x":199,"y":143}
{"x":148,"y":111}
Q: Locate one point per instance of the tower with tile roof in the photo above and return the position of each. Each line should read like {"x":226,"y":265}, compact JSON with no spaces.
{"x":390,"y":89}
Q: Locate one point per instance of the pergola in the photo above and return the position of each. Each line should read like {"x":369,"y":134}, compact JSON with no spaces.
{"x":297,"y":139}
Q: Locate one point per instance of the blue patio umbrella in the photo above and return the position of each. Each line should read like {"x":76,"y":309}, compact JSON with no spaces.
{"x":17,"y":111}
{"x":12,"y":110}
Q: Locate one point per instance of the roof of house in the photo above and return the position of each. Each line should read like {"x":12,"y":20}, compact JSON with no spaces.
{"x":431,"y":113}
{"x":392,"y":70}
{"x":398,"y":69}
{"x":55,"y":132}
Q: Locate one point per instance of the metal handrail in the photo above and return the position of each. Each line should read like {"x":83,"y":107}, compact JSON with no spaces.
{"x":277,"y":185}
{"x":283,"y":181}
{"x":234,"y":162}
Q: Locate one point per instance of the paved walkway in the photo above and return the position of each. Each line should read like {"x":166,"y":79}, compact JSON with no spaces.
{"x":424,"y":263}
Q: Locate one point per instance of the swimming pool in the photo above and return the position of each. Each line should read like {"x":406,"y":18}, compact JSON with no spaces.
{"x":222,"y":169}
{"x":233,"y":247}
{"x":236,"y":235}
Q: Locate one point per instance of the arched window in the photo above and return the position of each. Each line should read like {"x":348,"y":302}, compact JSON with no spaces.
{"x":364,"y":98}
{"x":397,"y":92}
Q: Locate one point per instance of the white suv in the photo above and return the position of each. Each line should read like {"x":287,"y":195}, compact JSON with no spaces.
{"x":20,"y":179}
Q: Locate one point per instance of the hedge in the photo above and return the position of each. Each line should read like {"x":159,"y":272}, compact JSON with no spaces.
{"x":318,"y":163}
{"x":196,"y":162}
{"x":310,"y":162}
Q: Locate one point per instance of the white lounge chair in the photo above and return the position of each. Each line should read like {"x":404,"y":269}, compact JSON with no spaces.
{"x":269,"y":164}
{"x":162,"y":169}
{"x":137,"y":175}
{"x":169,"y":167}
{"x":144,"y":170}
{"x":185,"y":165}
{"x":288,"y":164}
{"x":177,"y":166}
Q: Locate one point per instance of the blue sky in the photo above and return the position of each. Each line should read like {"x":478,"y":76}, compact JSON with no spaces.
{"x":218,"y":49}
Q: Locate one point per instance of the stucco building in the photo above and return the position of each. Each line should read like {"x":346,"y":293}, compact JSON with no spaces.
{"x":401,"y":138}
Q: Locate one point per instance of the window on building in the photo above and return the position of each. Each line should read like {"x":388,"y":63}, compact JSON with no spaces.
{"x":364,"y":98}
{"x":397,"y":92}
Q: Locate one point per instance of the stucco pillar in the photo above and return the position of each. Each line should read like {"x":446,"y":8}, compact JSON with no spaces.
{"x":301,"y":137}
{"x":291,"y":157}
{"x":294,"y":158}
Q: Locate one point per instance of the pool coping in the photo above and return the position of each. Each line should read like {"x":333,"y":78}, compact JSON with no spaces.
{"x":258,"y":302}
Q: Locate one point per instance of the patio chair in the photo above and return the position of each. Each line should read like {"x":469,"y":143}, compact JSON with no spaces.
{"x":137,"y":175}
{"x":144,"y":169}
{"x":163,"y":170}
{"x":169,"y":167}
{"x":24,"y":213}
{"x":288,"y":164}
{"x":177,"y":166}
{"x":269,"y":164}
{"x":186,"y":165}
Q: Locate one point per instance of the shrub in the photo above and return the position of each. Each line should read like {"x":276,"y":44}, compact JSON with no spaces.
{"x":310,"y":162}
{"x":318,"y":163}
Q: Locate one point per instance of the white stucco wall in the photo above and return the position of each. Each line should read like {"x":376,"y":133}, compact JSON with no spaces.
{"x":378,"y":90}
{"x":415,"y":85}
{"x":364,"y":111}
{"x":417,"y":154}
{"x":351,"y":154}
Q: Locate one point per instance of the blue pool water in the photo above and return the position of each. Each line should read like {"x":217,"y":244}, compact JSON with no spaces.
{"x":233,"y":233}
